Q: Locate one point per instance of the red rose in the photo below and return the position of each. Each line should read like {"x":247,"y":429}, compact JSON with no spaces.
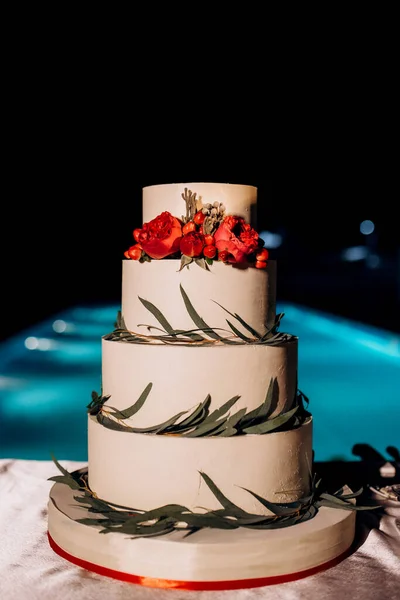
{"x":161,"y":236}
{"x":237,"y":237}
{"x":192,"y":244}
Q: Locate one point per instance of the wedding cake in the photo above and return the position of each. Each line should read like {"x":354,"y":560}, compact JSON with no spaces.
{"x":200,"y":467}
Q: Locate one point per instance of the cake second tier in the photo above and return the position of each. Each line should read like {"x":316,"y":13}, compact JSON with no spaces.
{"x":247,"y":292}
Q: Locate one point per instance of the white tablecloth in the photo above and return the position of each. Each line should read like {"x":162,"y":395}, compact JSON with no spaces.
{"x":30,"y":570}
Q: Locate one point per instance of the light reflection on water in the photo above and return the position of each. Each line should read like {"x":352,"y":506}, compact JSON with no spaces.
{"x":349,"y":372}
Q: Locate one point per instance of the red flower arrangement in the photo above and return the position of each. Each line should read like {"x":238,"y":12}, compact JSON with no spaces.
{"x":202,"y":236}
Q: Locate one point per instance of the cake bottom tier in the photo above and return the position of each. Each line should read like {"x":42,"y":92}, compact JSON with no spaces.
{"x":207,"y":560}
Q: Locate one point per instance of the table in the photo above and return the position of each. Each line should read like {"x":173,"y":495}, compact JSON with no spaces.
{"x":30,"y":570}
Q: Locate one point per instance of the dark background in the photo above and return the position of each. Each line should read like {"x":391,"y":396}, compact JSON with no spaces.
{"x":313,"y":125}
{"x":66,"y":238}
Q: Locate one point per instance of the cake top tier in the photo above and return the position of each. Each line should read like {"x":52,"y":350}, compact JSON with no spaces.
{"x":240,"y":200}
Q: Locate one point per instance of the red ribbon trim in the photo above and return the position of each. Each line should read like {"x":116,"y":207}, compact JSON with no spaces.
{"x":235,"y":584}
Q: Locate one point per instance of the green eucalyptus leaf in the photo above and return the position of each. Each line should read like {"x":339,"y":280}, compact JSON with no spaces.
{"x":157,"y":314}
{"x":160,"y":427}
{"x":201,"y":262}
{"x":97,"y":403}
{"x":223,"y":431}
{"x":155,"y":530}
{"x":167,"y":510}
{"x":92,"y":521}
{"x":180,"y":429}
{"x":217,"y":413}
{"x":206,"y":429}
{"x":72,"y":480}
{"x":197,"y":320}
{"x":104,"y":420}
{"x":200,"y":412}
{"x":233,"y":420}
{"x":274,"y":523}
{"x":334,"y":498}
{"x":330,"y":500}
{"x":259,"y":414}
{"x":302,"y":400}
{"x":67,"y":479}
{"x":208,"y":520}
{"x":271,"y":424}
{"x":132,"y":410}
{"x":120,"y":323}
{"x":276,"y":340}
{"x":185,"y":261}
{"x":279,"y":509}
{"x":250,"y":521}
{"x":242,"y":322}
{"x":125,"y":336}
{"x":358,"y":507}
{"x":239,"y":333}
{"x":230,"y":507}
{"x":340,"y":494}
{"x":226,"y":432}
{"x":151,"y":328}
{"x":164,"y":426}
{"x":190,"y":531}
{"x":97,"y":505}
{"x":274,"y":329}
{"x":192,"y":334}
{"x":127,"y":527}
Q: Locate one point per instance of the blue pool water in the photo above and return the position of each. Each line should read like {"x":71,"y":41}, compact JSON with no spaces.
{"x":349,"y":372}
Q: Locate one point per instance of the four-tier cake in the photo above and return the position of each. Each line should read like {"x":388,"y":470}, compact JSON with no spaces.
{"x":200,"y":463}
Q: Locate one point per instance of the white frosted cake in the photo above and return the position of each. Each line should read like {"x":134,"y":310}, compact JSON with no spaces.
{"x":199,"y":438}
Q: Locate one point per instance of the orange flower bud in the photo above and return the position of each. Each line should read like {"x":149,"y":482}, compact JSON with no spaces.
{"x":262,"y":255}
{"x":199,"y":217}
{"x":134,"y":252}
{"x":261,"y":264}
{"x":189,"y":227}
{"x":209,"y":251}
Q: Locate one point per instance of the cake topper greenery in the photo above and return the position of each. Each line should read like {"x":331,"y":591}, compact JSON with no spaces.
{"x":112,"y":518}
{"x":204,"y":234}
{"x":201,"y":422}
{"x":203,"y":334}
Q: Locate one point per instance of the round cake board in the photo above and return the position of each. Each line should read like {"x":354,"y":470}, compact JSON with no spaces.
{"x":210,"y":559}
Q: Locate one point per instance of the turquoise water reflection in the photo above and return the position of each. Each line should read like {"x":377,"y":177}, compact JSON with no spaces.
{"x":349,"y":372}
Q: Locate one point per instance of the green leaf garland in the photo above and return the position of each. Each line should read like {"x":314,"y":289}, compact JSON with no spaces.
{"x":175,"y":517}
{"x":200,"y":422}
{"x":203,"y":334}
